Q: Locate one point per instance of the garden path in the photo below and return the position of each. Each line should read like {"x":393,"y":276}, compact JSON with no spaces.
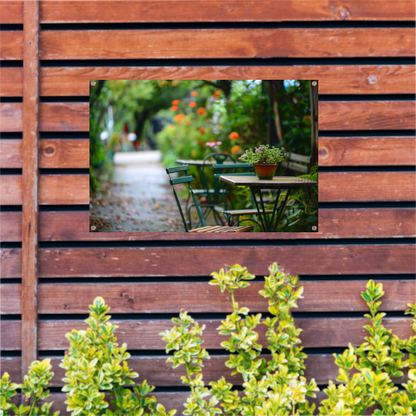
{"x":138,"y":198}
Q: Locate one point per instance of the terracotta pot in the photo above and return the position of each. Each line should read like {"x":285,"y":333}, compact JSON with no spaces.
{"x":265,"y":171}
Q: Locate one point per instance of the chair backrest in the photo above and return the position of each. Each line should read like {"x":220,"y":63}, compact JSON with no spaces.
{"x":219,"y":158}
{"x":184,"y":179}
{"x":292,"y":163}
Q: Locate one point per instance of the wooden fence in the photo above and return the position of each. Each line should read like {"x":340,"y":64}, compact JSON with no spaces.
{"x":361,"y":53}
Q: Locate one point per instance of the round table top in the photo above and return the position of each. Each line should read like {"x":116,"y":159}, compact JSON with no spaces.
{"x":283,"y":182}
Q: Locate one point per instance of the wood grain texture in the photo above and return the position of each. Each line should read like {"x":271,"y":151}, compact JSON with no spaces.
{"x":11,"y":12}
{"x":226,"y":43}
{"x":64,"y":117}
{"x":367,"y":151}
{"x":11,"y":299}
{"x":64,"y":11}
{"x":53,"y":189}
{"x":11,"y":189}
{"x":144,"y":334}
{"x":11,"y":48}
{"x":333,"y":223}
{"x":11,"y":336}
{"x":367,"y":115}
{"x":11,"y":226}
{"x":64,"y":153}
{"x":11,"y":153}
{"x":333,"y":115}
{"x":340,"y":79}
{"x":201,"y":261}
{"x":11,"y":79}
{"x":11,"y":263}
{"x":199,"y":297}
{"x":30,"y":183}
{"x":367,"y":186}
{"x":11,"y":117}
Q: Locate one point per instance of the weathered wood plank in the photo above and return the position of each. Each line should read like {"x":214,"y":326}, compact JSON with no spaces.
{"x":11,"y":226}
{"x":201,"y":297}
{"x":10,"y":153}
{"x":223,"y":11}
{"x":30,"y":183}
{"x":11,"y":12}
{"x":144,"y":334}
{"x":11,"y":299}
{"x":333,"y":115}
{"x":11,"y":117}
{"x":367,"y":186}
{"x":11,"y":79}
{"x":341,"y":79}
{"x":367,"y":115}
{"x":333,"y":223}
{"x":11,"y":336}
{"x":201,"y":261}
{"x":226,"y":43}
{"x":55,"y":153}
{"x":53,"y":189}
{"x":11,"y":262}
{"x":367,"y":151}
{"x":64,"y":117}
{"x":11,"y":47}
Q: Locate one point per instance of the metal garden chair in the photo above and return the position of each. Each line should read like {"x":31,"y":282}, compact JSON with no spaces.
{"x":204,"y":228}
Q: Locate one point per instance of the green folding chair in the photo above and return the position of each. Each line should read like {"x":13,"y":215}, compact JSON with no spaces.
{"x":187,"y":223}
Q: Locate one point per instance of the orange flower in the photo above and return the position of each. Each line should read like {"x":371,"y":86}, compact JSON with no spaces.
{"x":180,"y":121}
{"x":171,"y":126}
{"x":174,"y":108}
{"x":236,"y":149}
{"x":225,"y":151}
{"x":179,"y":117}
{"x":194,"y":93}
{"x":200,"y":141}
{"x":201,"y":110}
{"x":216,"y":94}
{"x":307,"y":119}
{"x":188,"y":123}
{"x":234,"y":135}
{"x":192,"y":104}
{"x":202,"y":130}
{"x":175,"y":102}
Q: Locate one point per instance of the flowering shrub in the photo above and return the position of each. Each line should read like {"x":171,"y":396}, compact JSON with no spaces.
{"x":263,"y":155}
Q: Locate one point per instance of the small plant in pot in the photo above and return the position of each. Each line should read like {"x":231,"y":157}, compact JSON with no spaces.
{"x":265,"y":160}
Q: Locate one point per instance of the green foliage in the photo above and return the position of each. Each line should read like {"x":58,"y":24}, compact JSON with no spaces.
{"x":34,"y":389}
{"x":377,"y":361}
{"x":270,"y":388}
{"x":97,"y":366}
{"x":263,"y":155}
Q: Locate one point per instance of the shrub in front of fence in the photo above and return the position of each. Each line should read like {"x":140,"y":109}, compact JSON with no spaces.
{"x":98,"y":380}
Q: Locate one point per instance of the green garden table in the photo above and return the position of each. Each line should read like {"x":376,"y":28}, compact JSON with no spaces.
{"x":280,"y":183}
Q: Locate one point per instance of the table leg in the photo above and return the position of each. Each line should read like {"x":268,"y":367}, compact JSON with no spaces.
{"x":262,"y":226}
{"x":275,"y":208}
{"x":282,"y":209}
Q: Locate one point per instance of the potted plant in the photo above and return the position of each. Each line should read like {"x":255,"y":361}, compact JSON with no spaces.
{"x":265,"y":160}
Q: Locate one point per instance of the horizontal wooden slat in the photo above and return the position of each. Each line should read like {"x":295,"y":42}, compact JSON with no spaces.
{"x":11,"y":47}
{"x":340,"y":79}
{"x":333,"y":223}
{"x":144,"y":334}
{"x":367,"y":186}
{"x":55,"y":153}
{"x":10,"y":299}
{"x":201,"y":261}
{"x":10,"y":153}
{"x":53,"y":189}
{"x":11,"y":335}
{"x":11,"y":117}
{"x":333,"y":115}
{"x":367,"y":115}
{"x":11,"y":80}
{"x":367,"y":151}
{"x":226,"y":43}
{"x":223,"y":11}
{"x":11,"y":262}
{"x":64,"y":117}
{"x":11,"y":12}
{"x":201,"y":297}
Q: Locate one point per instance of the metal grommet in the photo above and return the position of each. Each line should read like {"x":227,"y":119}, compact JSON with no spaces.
{"x":314,"y":83}
{"x":93,"y":228}
{"x":93,"y":83}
